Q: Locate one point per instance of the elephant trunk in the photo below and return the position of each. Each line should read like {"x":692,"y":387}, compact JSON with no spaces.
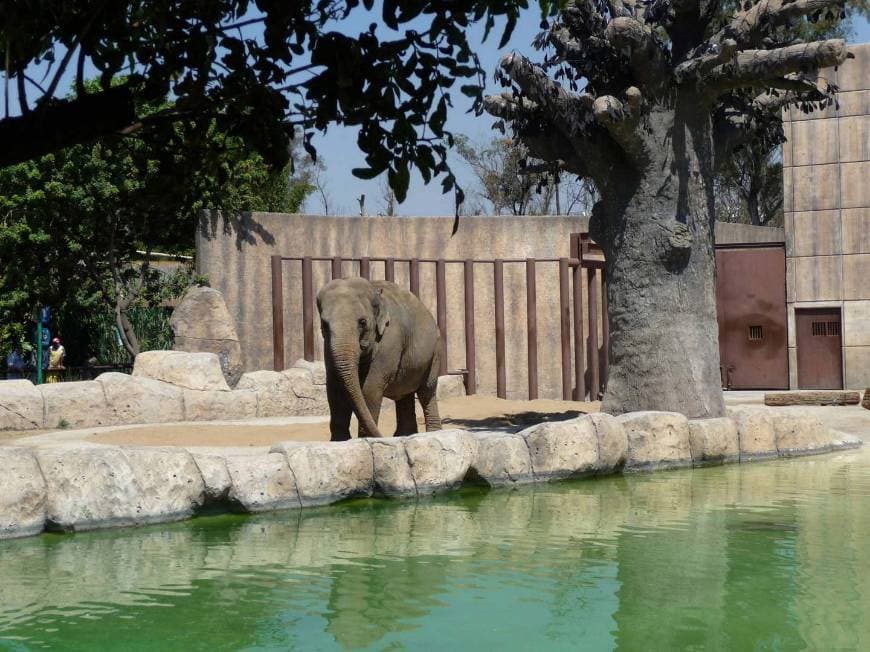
{"x":346,"y":362}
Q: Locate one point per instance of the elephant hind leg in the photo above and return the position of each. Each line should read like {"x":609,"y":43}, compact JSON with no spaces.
{"x":427,"y":394}
{"x":406,"y":416}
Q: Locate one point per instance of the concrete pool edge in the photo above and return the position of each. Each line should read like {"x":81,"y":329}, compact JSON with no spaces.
{"x":79,"y":486}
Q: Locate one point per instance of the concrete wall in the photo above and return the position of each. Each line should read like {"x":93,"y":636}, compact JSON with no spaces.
{"x":235,"y":254}
{"x":826,"y":174}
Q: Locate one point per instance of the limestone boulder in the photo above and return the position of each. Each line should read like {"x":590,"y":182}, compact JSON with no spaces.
{"x":261,"y":482}
{"x":562,"y":449}
{"x":215,"y":476}
{"x":287,"y":393}
{"x":135,"y":399}
{"x":800,"y":434}
{"x":20,"y":405}
{"x":440,"y":460}
{"x":219,"y":406}
{"x":91,"y":487}
{"x":713,"y":441}
{"x":199,"y":371}
{"x":755,"y":433}
{"x":450,"y":386}
{"x":22,"y":494}
{"x":170,"y":484}
{"x":865,"y":402}
{"x":656,"y":440}
{"x":202,"y":323}
{"x":327,"y":472}
{"x":612,"y":441}
{"x":391,"y":468}
{"x":316,"y":368}
{"x":502,"y":460}
{"x":80,"y":404}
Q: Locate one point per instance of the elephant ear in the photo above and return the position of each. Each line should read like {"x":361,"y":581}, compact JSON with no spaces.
{"x":382,"y":314}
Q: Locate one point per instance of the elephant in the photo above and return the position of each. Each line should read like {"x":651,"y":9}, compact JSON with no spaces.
{"x":378,"y":340}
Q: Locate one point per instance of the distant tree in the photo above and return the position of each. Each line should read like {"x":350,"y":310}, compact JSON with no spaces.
{"x":510,"y":181}
{"x":748,"y":187}
{"x":72,"y":222}
{"x":259,"y":71}
{"x":388,"y":200}
{"x":648,"y":100}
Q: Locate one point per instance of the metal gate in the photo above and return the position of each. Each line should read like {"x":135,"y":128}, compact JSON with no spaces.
{"x":819,"y":348}
{"x":579,"y":294}
{"x":751,"y":306}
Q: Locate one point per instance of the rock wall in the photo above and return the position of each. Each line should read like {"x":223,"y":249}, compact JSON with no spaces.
{"x":76,"y":487}
{"x":171,"y":386}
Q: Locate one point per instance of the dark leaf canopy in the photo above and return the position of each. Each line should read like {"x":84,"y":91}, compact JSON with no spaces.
{"x":261,"y":70}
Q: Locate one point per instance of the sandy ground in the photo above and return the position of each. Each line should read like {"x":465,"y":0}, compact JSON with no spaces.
{"x":469,"y":413}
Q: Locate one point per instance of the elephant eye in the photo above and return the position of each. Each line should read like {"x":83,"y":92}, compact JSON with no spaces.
{"x":362,"y":323}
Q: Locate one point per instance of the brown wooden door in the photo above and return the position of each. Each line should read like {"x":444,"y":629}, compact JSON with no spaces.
{"x":750,"y":298}
{"x":819,"y":348}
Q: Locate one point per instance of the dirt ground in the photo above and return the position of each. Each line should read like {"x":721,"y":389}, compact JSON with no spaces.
{"x":469,"y":413}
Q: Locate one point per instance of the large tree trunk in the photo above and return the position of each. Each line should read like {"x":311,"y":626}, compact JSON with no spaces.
{"x":656,"y":229}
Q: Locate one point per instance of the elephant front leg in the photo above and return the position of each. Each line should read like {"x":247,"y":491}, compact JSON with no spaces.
{"x":406,"y":417}
{"x":340,"y":411}
{"x":373,"y":398}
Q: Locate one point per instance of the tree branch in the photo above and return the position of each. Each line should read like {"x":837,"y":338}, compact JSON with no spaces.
{"x":574,"y":111}
{"x":749,"y":27}
{"x":763,"y":67}
{"x":62,"y":123}
{"x":621,"y":120}
{"x":648,"y":58}
{"x":699,"y":66}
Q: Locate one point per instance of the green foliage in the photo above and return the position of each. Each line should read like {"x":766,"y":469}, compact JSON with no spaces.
{"x":257,"y":71}
{"x":72,"y":222}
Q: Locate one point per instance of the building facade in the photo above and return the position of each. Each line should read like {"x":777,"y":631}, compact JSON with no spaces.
{"x":826,"y":174}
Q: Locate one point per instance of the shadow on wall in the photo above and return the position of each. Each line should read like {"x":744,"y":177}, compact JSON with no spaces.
{"x":243,"y":225}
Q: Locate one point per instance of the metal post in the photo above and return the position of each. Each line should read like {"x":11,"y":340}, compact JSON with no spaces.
{"x":565,"y":328}
{"x":307,"y":310}
{"x":414,"y":273}
{"x":498,"y":282}
{"x":470,"y":351}
{"x":38,"y":348}
{"x":532,"y":327}
{"x":277,"y":315}
{"x":605,"y":333}
{"x":336,"y":267}
{"x":579,"y":358}
{"x":594,"y":383}
{"x":441,"y":299}
{"x":365,"y":267}
{"x":390,"y":270}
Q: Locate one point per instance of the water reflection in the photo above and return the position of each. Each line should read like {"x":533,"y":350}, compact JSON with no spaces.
{"x":770,"y":555}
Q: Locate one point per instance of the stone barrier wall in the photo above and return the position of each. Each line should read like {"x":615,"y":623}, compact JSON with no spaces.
{"x":166,"y":386}
{"x":77,"y":487}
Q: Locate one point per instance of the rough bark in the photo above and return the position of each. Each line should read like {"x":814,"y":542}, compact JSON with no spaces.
{"x":648,"y":123}
{"x":658,"y":244}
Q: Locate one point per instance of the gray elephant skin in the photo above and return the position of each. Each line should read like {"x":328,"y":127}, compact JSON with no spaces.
{"x":378,"y":340}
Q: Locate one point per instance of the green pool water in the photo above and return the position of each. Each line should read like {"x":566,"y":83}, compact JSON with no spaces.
{"x":768,"y":556}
